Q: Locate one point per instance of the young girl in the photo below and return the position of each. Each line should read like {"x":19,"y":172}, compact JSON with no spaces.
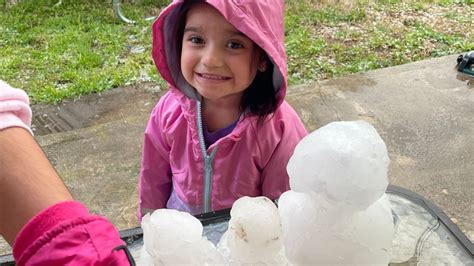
{"x":223,"y":130}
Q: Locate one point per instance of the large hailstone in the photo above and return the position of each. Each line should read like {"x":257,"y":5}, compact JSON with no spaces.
{"x":315,"y":233}
{"x":174,"y":237}
{"x":254,"y":234}
{"x":336,"y":212}
{"x":345,"y":161}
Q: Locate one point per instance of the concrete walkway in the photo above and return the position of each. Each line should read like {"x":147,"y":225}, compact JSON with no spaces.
{"x":424,"y":114}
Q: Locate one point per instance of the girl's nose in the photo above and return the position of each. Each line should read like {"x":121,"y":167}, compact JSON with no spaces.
{"x":212,"y":57}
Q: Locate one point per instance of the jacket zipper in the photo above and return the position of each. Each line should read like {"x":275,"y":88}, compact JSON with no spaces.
{"x":207,"y":162}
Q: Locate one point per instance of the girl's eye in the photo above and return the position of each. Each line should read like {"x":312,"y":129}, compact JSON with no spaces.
{"x":196,"y":40}
{"x":234,"y":45}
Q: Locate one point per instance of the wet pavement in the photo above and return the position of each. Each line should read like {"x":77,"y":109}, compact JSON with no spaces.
{"x":422,"y":111}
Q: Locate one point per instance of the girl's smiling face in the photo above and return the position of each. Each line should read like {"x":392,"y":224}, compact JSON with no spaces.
{"x":216,"y":59}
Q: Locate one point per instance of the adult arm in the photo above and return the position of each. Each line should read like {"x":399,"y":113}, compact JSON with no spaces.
{"x":28,"y":182}
{"x":37,"y":214}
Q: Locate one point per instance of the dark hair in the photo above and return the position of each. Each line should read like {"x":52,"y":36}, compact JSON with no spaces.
{"x":260,"y":97}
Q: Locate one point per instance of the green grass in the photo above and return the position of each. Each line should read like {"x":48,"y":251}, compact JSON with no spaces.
{"x":328,"y":40}
{"x":63,"y":51}
{"x":78,"y":47}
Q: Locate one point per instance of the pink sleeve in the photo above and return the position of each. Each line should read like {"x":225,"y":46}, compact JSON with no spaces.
{"x":154,"y":187}
{"x":14,"y":108}
{"x":275,"y":178}
{"x":66,"y":234}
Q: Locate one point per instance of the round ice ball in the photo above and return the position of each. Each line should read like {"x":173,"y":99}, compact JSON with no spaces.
{"x":345,"y":161}
{"x":166,"y":230}
{"x":298,"y":214}
{"x":255,"y":230}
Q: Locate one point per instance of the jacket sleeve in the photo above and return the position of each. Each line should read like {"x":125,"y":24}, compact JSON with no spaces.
{"x":14,"y":108}
{"x":154,"y":188}
{"x":291,"y":130}
{"x":66,"y":234}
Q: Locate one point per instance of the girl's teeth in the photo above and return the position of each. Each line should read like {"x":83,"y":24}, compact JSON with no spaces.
{"x":212,"y":77}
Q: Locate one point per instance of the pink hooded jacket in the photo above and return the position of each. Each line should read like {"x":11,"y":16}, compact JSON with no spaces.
{"x":64,"y":233}
{"x":177,"y":170}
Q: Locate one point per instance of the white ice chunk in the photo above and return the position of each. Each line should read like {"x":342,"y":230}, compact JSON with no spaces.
{"x":315,"y":235}
{"x":345,"y":161}
{"x":174,"y":237}
{"x":298,"y":215}
{"x":337,"y":212}
{"x":254,"y":234}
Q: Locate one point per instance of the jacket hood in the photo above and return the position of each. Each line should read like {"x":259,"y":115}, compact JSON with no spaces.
{"x":262,"y":21}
